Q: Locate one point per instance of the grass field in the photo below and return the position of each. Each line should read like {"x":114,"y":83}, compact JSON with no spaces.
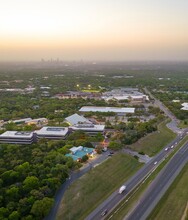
{"x":89,"y":191}
{"x":174,"y":202}
{"x":154,"y":142}
{"x":124,"y":207}
{"x":183,"y":125}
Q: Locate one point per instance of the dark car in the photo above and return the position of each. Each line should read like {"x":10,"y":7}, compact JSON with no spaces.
{"x":111,"y":152}
{"x":104,"y":212}
{"x":109,"y":155}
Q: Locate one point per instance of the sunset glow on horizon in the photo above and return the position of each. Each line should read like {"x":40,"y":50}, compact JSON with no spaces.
{"x":101,"y":29}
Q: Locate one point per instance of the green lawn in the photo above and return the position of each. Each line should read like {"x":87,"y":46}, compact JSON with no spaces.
{"x":89,"y":191}
{"x":183,"y":124}
{"x":154,"y":142}
{"x":124,"y":207}
{"x":173,"y":203}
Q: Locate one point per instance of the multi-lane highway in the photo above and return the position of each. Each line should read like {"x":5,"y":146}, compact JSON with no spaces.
{"x":159,"y":185}
{"x":115,"y":198}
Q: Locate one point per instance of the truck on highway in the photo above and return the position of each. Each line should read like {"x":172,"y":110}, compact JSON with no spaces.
{"x":122,"y":189}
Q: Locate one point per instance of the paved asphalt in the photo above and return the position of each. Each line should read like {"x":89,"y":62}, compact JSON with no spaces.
{"x":174,"y":123}
{"x":111,"y":202}
{"x":160,"y":185}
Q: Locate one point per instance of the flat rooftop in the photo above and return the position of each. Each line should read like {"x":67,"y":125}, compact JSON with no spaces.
{"x":17,"y":134}
{"x":89,"y":128}
{"x":106,"y":109}
{"x":56,"y":131}
{"x":22,"y":120}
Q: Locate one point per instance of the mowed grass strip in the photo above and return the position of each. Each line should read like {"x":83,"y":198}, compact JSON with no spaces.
{"x":125,"y":207}
{"x":174,"y":202}
{"x":183,"y":124}
{"x":154,"y":142}
{"x":93,"y":188}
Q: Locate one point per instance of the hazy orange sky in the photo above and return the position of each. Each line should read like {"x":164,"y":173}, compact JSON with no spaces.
{"x":99,"y":30}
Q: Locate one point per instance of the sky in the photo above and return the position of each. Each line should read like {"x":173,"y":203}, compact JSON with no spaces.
{"x":94,"y":30}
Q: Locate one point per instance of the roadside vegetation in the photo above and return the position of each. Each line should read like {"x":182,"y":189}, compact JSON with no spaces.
{"x":125,"y":206}
{"x":154,"y":142}
{"x":174,"y":202}
{"x":30,"y":175}
{"x":85,"y":194}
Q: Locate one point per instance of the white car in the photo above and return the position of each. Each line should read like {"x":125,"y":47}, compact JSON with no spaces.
{"x":166,"y":148}
{"x":155,"y":162}
{"x":172,"y":146}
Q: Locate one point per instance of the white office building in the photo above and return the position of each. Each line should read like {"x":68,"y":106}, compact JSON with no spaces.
{"x":53,"y":133}
{"x":116,"y":110}
{"x":185,"y":106}
{"x":89,"y":128}
{"x":17,"y":137}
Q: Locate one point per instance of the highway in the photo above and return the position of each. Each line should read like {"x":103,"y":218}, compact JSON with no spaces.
{"x":159,"y":186}
{"x":111,"y":202}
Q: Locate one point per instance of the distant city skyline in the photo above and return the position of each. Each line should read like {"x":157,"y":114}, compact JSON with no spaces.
{"x":93,"y":30}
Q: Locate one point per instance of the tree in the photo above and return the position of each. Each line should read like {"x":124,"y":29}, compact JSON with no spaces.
{"x":4,"y":212}
{"x":31,"y":182}
{"x":14,"y":216}
{"x":85,"y":158}
{"x":115,"y":145}
{"x":41,"y":208}
{"x":12,"y":194}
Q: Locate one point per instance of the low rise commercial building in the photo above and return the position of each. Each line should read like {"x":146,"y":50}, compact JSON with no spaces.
{"x":54,"y":133}
{"x":78,"y":152}
{"x":91,"y":129}
{"x":20,"y":121}
{"x":76,"y":119}
{"x":117,"y":110}
{"x":130,"y":94}
{"x":185,"y":106}
{"x":38,"y":121}
{"x":17,"y":137}
{"x":78,"y":94}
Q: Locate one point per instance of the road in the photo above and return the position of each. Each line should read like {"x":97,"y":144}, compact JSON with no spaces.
{"x":111,"y":202}
{"x":115,"y":198}
{"x":159,"y":186}
{"x":74,"y":176}
{"x":173,"y":125}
